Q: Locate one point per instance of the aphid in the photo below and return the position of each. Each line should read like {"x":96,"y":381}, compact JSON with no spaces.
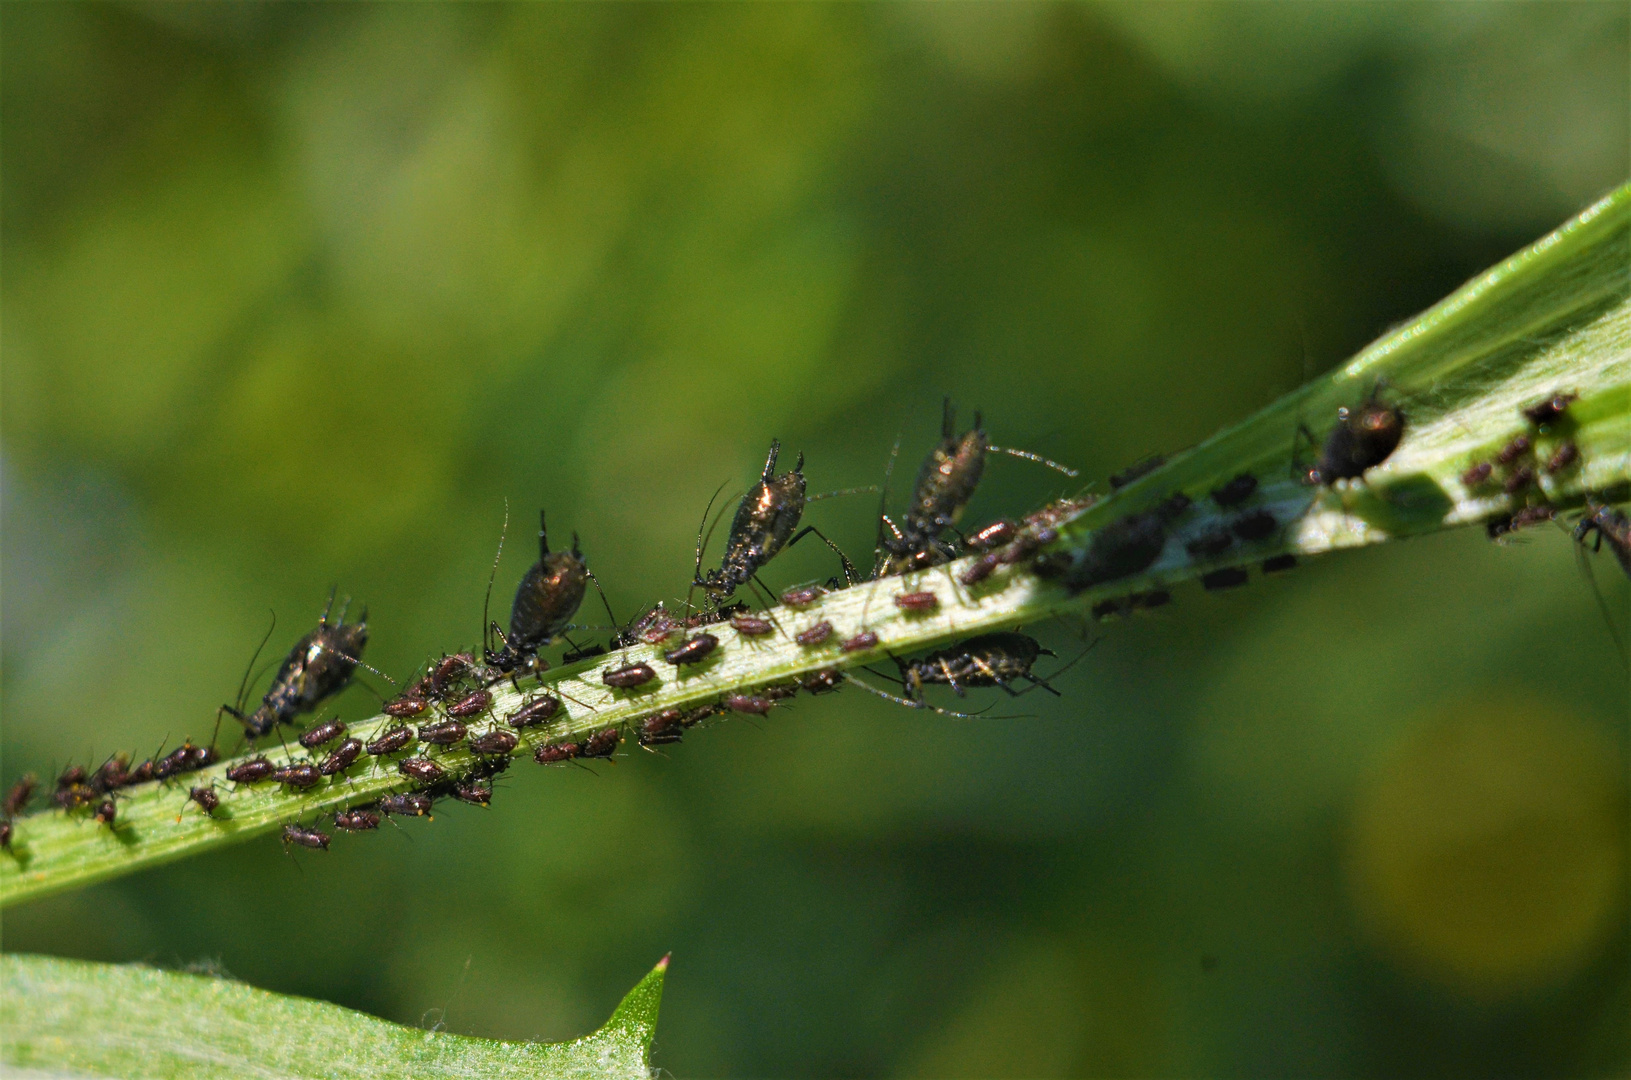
{"x":814,"y":635}
{"x":253,"y":771}
{"x":422,"y":770}
{"x":404,"y":707}
{"x":602,"y":744}
{"x":585,"y":652}
{"x":1565,"y":455}
{"x":1477,"y":475}
{"x":299,"y":775}
{"x":548,"y":596}
{"x":473,"y":792}
{"x":112,"y":774}
{"x":449,"y":670}
{"x":1498,"y":526}
{"x":1236,"y":491}
{"x":472,"y":704}
{"x":356,"y":820}
{"x":1521,"y":477}
{"x":993,"y":535}
{"x":106,"y":811}
{"x":988,"y":660}
{"x":781,"y":692}
{"x":442,"y":732}
{"x":981,"y":568}
{"x":945,"y":484}
{"x":628,"y":676}
{"x":665,"y":727}
{"x":534,"y":711}
{"x":18,"y":795}
{"x":341,"y":757}
{"x":753,"y":704}
{"x":325,"y":732}
{"x":1611,"y":527}
{"x":803,"y":595}
{"x":1023,"y":546}
{"x":318,"y":667}
{"x":866,"y":639}
{"x":823,"y":681}
{"x":74,"y":796}
{"x":1210,"y":544}
{"x":654,"y":627}
{"x":407,"y":804}
{"x":751,"y":625}
{"x":693,"y":651}
{"x":557,"y":754}
{"x":391,"y":740}
{"x":1532,"y":515}
{"x":1227,"y":578}
{"x":1361,"y":440}
{"x":494,"y":742}
{"x":917,"y":601}
{"x":1257,"y":525}
{"x":72,"y":776}
{"x":1124,"y":547}
{"x":206,"y":798}
{"x":1104,"y":609}
{"x":1545,"y":412}
{"x":141,"y":774}
{"x":1513,"y":450}
{"x":1136,"y":470}
{"x":1276,"y":563}
{"x":184,"y":758}
{"x":306,"y":838}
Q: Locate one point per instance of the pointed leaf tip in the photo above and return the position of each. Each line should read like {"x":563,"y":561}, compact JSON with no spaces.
{"x":662,"y":965}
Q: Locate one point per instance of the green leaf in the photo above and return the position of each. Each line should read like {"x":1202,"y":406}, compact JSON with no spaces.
{"x":68,"y":1017}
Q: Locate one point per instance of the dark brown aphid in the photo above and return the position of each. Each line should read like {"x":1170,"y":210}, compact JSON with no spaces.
{"x":407,"y":804}
{"x":141,"y":774}
{"x":753,"y":704}
{"x":654,"y":627}
{"x":822,"y":682}
{"x":548,"y":596}
{"x":1362,"y":439}
{"x":356,"y":820}
{"x":1521,"y":477}
{"x":442,"y":732}
{"x":1124,"y":547}
{"x":494,"y":742}
{"x":533,"y":712}
{"x":1611,"y":527}
{"x":665,"y":727}
{"x":1227,"y":578}
{"x":557,"y":754}
{"x":1209,"y":544}
{"x":988,"y":660}
{"x":993,"y":535}
{"x":866,"y":639}
{"x":112,"y":774}
{"x":1564,"y":456}
{"x":981,"y":568}
{"x":184,"y":758}
{"x":306,"y":838}
{"x":318,"y":667}
{"x":325,"y":732}
{"x":1513,"y":450}
{"x":628,"y":676}
{"x":1257,"y":525}
{"x":72,"y":776}
{"x":299,"y":775}
{"x":602,"y":744}
{"x":803,"y":595}
{"x":391,"y":740}
{"x":1275,"y":564}
{"x":1478,"y":475}
{"x":763,"y":526}
{"x":422,"y":770}
{"x":253,"y":771}
{"x":917,"y":601}
{"x":1235,"y":491}
{"x":693,"y":651}
{"x":404,"y":707}
{"x":474,"y":792}
{"x":341,"y":757}
{"x":751,"y":625}
{"x":18,"y":796}
{"x":206,"y":798}
{"x":780,"y":691}
{"x":814,"y":635}
{"x":449,"y":671}
{"x":472,"y":704}
{"x":1136,"y":470}
{"x":106,"y":812}
{"x":1545,"y":412}
{"x":1023,"y":547}
{"x":945,"y":484}
{"x":1532,"y":515}
{"x":74,"y":796}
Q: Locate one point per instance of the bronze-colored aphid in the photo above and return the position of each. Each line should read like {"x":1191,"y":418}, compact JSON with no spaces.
{"x":762,"y":528}
{"x":325,"y":732}
{"x":318,"y":667}
{"x":1608,"y":526}
{"x":548,"y":596}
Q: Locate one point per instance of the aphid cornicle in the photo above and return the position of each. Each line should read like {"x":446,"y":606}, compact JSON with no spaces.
{"x":1362,"y":439}
{"x":548,"y":596}
{"x":999,"y":659}
{"x":318,"y":667}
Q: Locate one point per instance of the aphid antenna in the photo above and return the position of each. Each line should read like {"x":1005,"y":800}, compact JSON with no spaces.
{"x":702,"y":543}
{"x":867,"y":489}
{"x":365,"y":664}
{"x":851,"y":575}
{"x":1584,"y":562}
{"x":910,"y":703}
{"x":236,"y":709}
{"x":605,"y":603}
{"x":883,"y":507}
{"x":1038,"y":458}
{"x":486,"y":601}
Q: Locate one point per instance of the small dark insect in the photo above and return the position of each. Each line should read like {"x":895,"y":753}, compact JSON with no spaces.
{"x":106,"y":812}
{"x":1565,"y":455}
{"x":318,"y":667}
{"x":391,"y":740}
{"x":448,"y":671}
{"x":763,"y":526}
{"x":1477,"y":475}
{"x":1498,"y":526}
{"x":252,"y":771}
{"x":945,"y":484}
{"x":442,"y":732}
{"x":18,"y":796}
{"x":1209,"y":544}
{"x":1227,"y":578}
{"x":474,"y":792}
{"x":917,"y":601}
{"x":751,"y":625}
{"x":1513,"y":450}
{"x":341,"y":757}
{"x":494,"y":742}
{"x":72,"y":776}
{"x":356,"y":820}
{"x":1235,"y":491}
{"x":1361,"y":440}
{"x":1023,"y":547}
{"x":322,"y":733}
{"x":1277,"y":563}
{"x":472,"y":704}
{"x":404,"y":707}
{"x":184,"y":758}
{"x":1125,"y":546}
{"x":665,"y":727}
{"x":74,"y":796}
{"x":602,"y":744}
{"x":981,"y":568}
{"x":299,"y":776}
{"x":306,"y":838}
{"x":752,"y":704}
{"x":814,"y":635}
{"x":988,"y":660}
{"x":993,"y":535}
{"x":141,"y":774}
{"x":1257,"y":525}
{"x":583,"y":652}
{"x":1136,"y":470}
{"x":1521,"y":478}
{"x":533,"y":712}
{"x":822,"y":682}
{"x":422,"y":770}
{"x":1105,"y":609}
{"x":781,"y":692}
{"x":654,"y":627}
{"x":802,"y":595}
{"x":1532,"y":515}
{"x":5,"y":833}
{"x":202,"y":756}
{"x":1544,"y":412}
{"x":407,"y":804}
{"x":112,"y":774}
{"x":1611,"y":527}
{"x":206,"y":798}
{"x":866,"y":639}
{"x":557,"y":754}
{"x":693,"y":651}
{"x":548,"y":596}
{"x":628,"y":676}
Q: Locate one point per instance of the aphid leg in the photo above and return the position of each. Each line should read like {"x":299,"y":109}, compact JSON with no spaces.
{"x":702,"y":543}
{"x":851,"y":575}
{"x":488,"y":625}
{"x":910,"y":703}
{"x":1038,"y":458}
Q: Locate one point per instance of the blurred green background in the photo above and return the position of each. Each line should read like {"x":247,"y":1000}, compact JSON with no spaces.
{"x":299,"y":295}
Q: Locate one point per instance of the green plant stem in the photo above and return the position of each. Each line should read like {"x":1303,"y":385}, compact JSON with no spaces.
{"x":1557,"y":316}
